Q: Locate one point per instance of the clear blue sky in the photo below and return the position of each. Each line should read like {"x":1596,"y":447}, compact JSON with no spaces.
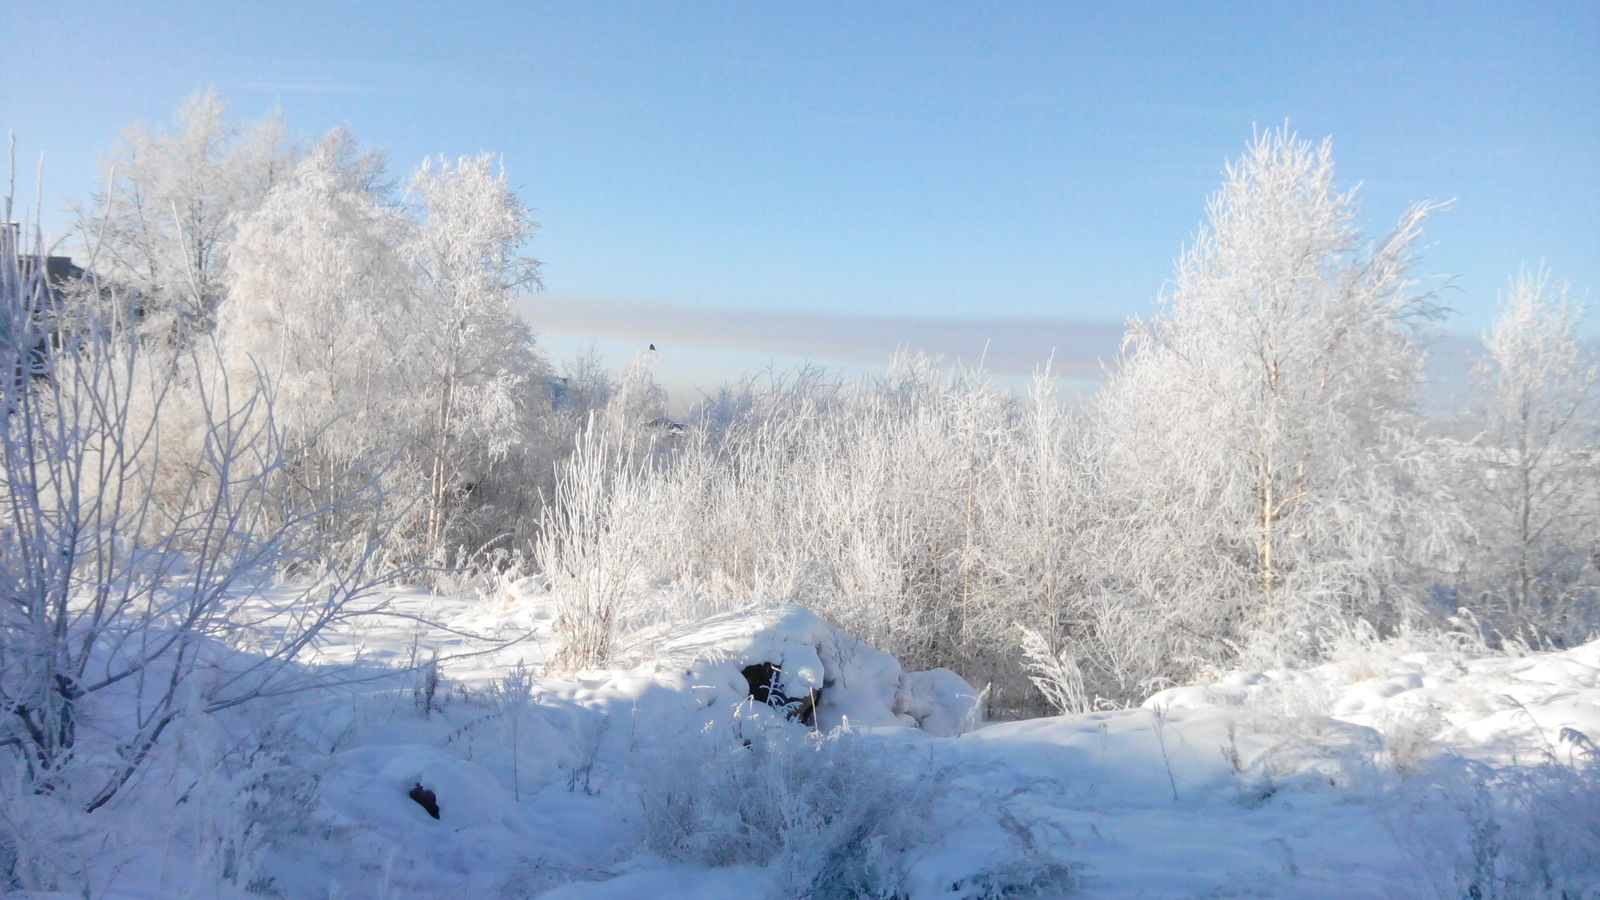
{"x":890,"y":161}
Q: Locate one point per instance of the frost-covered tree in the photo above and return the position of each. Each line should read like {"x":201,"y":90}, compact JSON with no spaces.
{"x":586,"y":384}
{"x":1260,"y":437}
{"x":124,"y":615}
{"x":319,"y":305}
{"x":389,"y":334}
{"x":163,"y":225}
{"x":1537,"y":466}
{"x":471,"y":356}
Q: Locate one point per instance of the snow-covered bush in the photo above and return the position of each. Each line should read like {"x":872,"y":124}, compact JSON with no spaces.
{"x":248,"y":793}
{"x":46,"y":844}
{"x":637,"y":403}
{"x":1410,"y":736}
{"x":586,"y":548}
{"x":835,"y":814}
{"x":1055,"y":674}
{"x":512,"y":735}
{"x":925,"y":511}
{"x":1529,"y":831}
{"x":844,"y":814}
{"x":125,"y":615}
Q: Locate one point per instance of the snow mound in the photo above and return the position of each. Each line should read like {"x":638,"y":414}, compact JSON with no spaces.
{"x":367,"y":798}
{"x":856,"y":684}
{"x":1496,"y":708}
{"x":940,"y":701}
{"x":373,"y":785}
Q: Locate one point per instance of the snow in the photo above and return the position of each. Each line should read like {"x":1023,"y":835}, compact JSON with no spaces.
{"x":1401,"y":771}
{"x":939,"y":701}
{"x":857,"y":684}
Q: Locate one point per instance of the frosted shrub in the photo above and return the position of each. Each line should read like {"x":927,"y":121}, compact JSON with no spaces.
{"x":925,"y":511}
{"x":47,"y":845}
{"x":511,"y":700}
{"x":116,"y":600}
{"x":1055,"y":674}
{"x":1409,"y":735}
{"x":237,"y":809}
{"x":1530,"y":831}
{"x":1293,"y":705}
{"x":833,"y":813}
{"x":586,"y":550}
{"x":841,"y":815}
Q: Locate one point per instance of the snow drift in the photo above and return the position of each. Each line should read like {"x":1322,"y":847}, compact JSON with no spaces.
{"x":856,"y":685}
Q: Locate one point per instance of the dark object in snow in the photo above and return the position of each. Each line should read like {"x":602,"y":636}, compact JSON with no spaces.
{"x":763,"y":680}
{"x":426,"y":799}
{"x":766,"y":686}
{"x":665,"y":427}
{"x":652,"y":346}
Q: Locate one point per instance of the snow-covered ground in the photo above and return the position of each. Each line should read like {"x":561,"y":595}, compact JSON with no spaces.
{"x":1395,"y":772}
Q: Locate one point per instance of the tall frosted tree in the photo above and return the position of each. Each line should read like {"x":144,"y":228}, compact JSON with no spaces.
{"x":472,"y":357}
{"x":166,"y":219}
{"x":1533,"y":500}
{"x":1260,"y":438}
{"x":318,"y":305}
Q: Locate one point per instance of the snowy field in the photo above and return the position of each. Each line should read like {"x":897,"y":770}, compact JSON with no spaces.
{"x":1392,"y":773}
{"x":318,"y":373}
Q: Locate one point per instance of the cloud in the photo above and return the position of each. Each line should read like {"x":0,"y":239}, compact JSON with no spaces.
{"x":1006,"y":345}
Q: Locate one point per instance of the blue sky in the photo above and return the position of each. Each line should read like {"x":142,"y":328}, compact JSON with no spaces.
{"x":941,"y":174}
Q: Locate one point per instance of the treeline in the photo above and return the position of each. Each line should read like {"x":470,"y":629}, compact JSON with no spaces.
{"x":1256,"y":483}
{"x":1256,"y":480}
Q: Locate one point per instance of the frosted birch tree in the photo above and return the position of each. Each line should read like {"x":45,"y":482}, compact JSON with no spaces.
{"x":1260,"y":437}
{"x":471,"y":355}
{"x":318,"y":306}
{"x":1537,"y":466}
